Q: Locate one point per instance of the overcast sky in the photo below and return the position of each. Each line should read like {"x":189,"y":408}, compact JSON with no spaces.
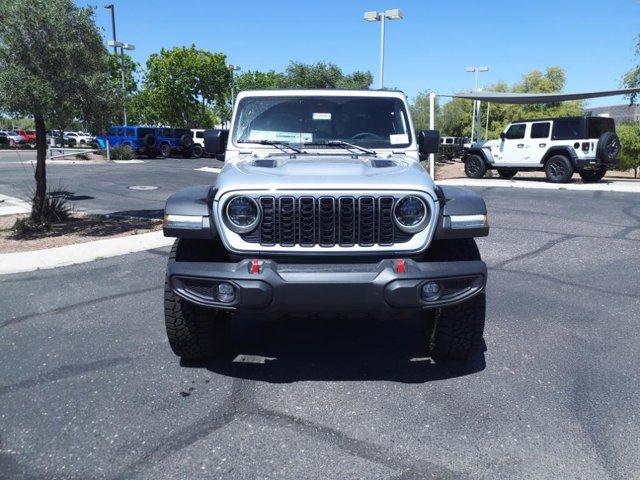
{"x":428,"y":49}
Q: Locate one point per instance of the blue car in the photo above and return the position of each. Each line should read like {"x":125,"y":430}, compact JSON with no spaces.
{"x":150,"y":141}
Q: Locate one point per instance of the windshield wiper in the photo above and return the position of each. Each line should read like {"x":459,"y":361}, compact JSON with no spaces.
{"x":340,"y":143}
{"x":275,"y":143}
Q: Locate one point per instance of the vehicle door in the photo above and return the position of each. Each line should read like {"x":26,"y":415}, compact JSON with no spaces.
{"x":537,"y":142}
{"x":510,"y":150}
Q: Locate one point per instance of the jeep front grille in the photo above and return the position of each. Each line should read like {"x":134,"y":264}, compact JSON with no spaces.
{"x":327,"y":221}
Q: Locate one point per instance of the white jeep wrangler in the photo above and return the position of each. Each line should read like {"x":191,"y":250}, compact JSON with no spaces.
{"x":559,"y":146}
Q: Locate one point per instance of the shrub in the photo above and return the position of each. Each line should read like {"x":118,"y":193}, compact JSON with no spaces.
{"x":629,"y":134}
{"x":121,"y":152}
{"x":56,"y":209}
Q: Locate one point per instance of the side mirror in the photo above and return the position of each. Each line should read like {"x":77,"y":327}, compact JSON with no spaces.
{"x":215,"y":141}
{"x":428,"y":141}
{"x":503,"y":135}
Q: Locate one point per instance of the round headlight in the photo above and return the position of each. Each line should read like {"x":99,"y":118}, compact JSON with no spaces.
{"x":411,"y":214}
{"x":243,"y":214}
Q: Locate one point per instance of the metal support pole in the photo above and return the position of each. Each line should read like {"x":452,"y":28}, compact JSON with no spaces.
{"x":108,"y":150}
{"x":113,"y":25}
{"x":475,"y":106}
{"x":486,"y":132}
{"x":382,"y":50}
{"x":432,"y":123}
{"x":124,"y":91}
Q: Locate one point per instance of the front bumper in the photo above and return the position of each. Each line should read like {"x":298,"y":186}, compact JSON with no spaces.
{"x":370,"y":287}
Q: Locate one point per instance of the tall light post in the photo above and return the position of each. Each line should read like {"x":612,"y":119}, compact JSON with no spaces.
{"x":475,"y":70}
{"x":393,"y":14}
{"x":123,"y":46}
{"x":234,"y":69}
{"x":113,"y":24}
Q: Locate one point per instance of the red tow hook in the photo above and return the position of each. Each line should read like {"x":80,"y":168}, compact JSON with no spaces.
{"x":401,"y":267}
{"x":254,"y":266}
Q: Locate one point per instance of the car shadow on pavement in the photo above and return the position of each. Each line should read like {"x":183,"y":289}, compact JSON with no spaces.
{"x":335,"y":349}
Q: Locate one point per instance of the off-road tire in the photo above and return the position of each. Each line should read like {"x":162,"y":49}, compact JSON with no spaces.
{"x":194,"y":333}
{"x":608,"y":147}
{"x":456,"y":332}
{"x":198,"y":151}
{"x":506,"y":174}
{"x":591,"y":176}
{"x":165,"y":150}
{"x":186,"y":140}
{"x":149,"y":140}
{"x":459,"y":329}
{"x":558,"y":169}
{"x":474,"y":167}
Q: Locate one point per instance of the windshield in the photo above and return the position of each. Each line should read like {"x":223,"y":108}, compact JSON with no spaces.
{"x":369,"y":122}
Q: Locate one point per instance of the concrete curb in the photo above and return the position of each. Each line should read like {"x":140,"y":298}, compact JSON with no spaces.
{"x":604,"y":186}
{"x":80,"y":252}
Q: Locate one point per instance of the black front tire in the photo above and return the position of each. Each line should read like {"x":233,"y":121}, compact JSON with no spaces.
{"x":474,"y":167}
{"x":591,"y":176}
{"x":456,"y":332}
{"x":194,"y":333}
{"x":558,"y":169}
{"x":506,"y":174}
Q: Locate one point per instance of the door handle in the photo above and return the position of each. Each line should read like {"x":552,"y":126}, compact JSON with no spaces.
{"x":520,"y":145}
{"x":542,"y":145}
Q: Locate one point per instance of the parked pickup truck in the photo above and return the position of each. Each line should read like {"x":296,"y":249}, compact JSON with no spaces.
{"x":323,"y":205}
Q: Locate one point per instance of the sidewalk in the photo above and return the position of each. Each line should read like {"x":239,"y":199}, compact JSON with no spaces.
{"x":80,"y":253}
{"x":606,"y":185}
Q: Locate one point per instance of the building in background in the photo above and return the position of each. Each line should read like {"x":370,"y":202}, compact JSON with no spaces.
{"x":620,"y":113}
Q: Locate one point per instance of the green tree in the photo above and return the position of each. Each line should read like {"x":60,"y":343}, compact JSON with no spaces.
{"x":53,"y":67}
{"x":255,"y":80}
{"x":420,"y":112}
{"x":631,"y":79}
{"x":323,"y":75}
{"x":182,"y":86}
{"x":629,"y":134}
{"x":130,"y":71}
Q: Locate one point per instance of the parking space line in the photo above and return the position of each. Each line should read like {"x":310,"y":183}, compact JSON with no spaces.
{"x":208,"y":169}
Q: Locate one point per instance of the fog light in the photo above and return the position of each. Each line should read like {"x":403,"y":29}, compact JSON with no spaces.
{"x":431,"y":291}
{"x":225,"y":292}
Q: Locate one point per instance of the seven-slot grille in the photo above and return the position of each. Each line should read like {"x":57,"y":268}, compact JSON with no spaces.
{"x":327,"y":221}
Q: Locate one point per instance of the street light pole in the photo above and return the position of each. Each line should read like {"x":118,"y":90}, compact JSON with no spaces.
{"x":123,"y":46}
{"x":113,"y":24}
{"x":476,"y":70}
{"x":393,"y":14}
{"x":234,"y":69}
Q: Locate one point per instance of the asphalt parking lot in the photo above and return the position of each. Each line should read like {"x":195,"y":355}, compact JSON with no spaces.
{"x":106,"y":188}
{"x":90,"y":389}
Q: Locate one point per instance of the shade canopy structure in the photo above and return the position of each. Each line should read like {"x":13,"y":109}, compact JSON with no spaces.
{"x":519,"y":99}
{"x":532,"y":98}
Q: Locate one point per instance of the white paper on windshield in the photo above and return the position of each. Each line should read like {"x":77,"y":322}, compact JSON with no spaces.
{"x":321,"y":116}
{"x":293,"y":137}
{"x":398,"y":138}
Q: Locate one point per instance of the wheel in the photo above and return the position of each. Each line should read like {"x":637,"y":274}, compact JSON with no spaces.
{"x":165,"y":150}
{"x":590,"y":176}
{"x":198,"y":151}
{"x":504,"y":173}
{"x":457,"y":331}
{"x":474,"y":167}
{"x":608,"y":147}
{"x":558,"y":169}
{"x":187,"y":152}
{"x":194,"y":333}
{"x":186,"y":140}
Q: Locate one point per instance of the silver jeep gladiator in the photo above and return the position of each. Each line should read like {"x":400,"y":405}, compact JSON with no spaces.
{"x":323,"y":205}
